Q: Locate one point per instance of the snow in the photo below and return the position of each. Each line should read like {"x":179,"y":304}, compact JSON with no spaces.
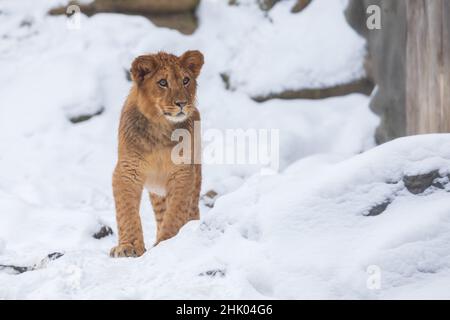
{"x":312,"y":49}
{"x":300,"y":233}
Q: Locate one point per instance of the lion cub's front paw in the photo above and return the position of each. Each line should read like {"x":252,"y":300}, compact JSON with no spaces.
{"x":127,"y":250}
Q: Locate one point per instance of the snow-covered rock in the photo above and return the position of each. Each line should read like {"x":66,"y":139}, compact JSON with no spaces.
{"x":315,"y":48}
{"x":302,"y":233}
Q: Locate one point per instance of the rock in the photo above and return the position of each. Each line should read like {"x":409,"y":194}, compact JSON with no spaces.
{"x":385,"y":63}
{"x":300,"y":5}
{"x":226,"y":80}
{"x":140,"y":7}
{"x":364,"y":86}
{"x":442,"y":183}
{"x":264,"y":5}
{"x":103,"y":232}
{"x":14,"y":269}
{"x":379,"y":208}
{"x":127,"y":74}
{"x":209,"y":198}
{"x":418,"y":184}
{"x":146,"y":6}
{"x":213,"y":273}
{"x":54,"y":256}
{"x":42,"y":264}
{"x":86,"y":117}
{"x":27,"y":22}
{"x":87,"y":9}
{"x":174,"y":14}
{"x":185,"y":22}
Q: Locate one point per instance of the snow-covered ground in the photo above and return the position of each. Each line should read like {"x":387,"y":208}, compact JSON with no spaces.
{"x":301,"y":233}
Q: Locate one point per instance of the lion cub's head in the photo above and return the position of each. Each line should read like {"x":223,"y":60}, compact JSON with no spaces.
{"x":167,"y":84}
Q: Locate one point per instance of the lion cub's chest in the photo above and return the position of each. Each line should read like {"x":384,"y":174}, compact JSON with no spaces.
{"x":158,"y":171}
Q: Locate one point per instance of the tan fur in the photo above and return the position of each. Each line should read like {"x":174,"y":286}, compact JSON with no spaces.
{"x":148,"y":119}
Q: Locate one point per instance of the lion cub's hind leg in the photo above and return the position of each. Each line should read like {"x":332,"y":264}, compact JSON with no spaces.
{"x":194,"y":212}
{"x":159,"y":207}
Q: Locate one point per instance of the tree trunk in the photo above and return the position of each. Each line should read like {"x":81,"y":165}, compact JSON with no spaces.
{"x":428,"y":66}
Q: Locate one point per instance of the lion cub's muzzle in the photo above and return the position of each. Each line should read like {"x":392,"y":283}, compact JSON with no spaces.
{"x":177,"y":113}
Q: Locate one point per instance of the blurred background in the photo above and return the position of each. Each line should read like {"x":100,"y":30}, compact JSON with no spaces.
{"x":386,"y":61}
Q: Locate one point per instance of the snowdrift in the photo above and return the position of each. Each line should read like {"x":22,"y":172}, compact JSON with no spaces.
{"x":304,"y":233}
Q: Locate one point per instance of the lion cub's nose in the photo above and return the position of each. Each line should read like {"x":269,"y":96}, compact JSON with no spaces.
{"x":181,"y":104}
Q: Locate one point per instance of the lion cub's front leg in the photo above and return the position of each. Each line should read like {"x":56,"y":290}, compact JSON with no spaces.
{"x":180,"y":191}
{"x":127,"y":188}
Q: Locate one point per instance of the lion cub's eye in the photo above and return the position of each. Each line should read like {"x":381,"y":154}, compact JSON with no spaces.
{"x":186,"y":80}
{"x":162,"y":82}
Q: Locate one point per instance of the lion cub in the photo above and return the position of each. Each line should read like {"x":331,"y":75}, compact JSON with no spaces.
{"x":161,"y":100}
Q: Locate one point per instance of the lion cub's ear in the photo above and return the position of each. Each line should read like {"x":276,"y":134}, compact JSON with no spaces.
{"x":142,"y":66}
{"x":193,"y":61}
